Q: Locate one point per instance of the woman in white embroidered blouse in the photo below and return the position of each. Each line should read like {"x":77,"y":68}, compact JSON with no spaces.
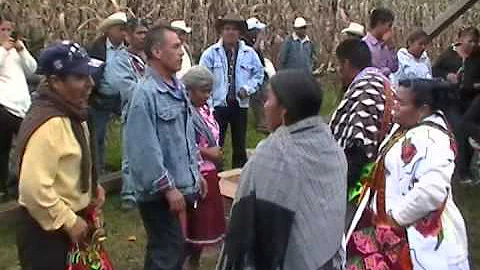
{"x":418,"y":171}
{"x":413,"y":61}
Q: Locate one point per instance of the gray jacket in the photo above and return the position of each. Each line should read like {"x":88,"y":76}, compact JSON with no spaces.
{"x":160,"y":139}
{"x":296,"y":54}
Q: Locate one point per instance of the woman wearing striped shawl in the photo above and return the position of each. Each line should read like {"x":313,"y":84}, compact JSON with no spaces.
{"x":289,"y":208}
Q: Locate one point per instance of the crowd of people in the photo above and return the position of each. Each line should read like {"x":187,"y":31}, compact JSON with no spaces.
{"x":370,"y":189}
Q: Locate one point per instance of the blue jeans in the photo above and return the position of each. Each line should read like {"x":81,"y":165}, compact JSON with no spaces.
{"x":128,"y":186}
{"x":165,"y":242}
{"x":98,"y":123}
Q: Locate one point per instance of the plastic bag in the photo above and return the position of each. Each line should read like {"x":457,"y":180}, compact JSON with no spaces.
{"x":90,"y":255}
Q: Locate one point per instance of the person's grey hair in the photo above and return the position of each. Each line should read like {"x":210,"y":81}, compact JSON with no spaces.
{"x":198,"y":77}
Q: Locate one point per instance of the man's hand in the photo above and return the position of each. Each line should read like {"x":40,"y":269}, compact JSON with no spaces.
{"x":452,"y":78}
{"x":100,"y":198}
{"x":19,"y":46}
{"x":203,"y":188}
{"x":175,"y":200}
{"x":78,"y":233}
{"x":243,"y":94}
{"x":9,"y":44}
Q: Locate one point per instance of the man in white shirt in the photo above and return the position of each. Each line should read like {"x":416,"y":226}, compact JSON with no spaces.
{"x":15,"y":64}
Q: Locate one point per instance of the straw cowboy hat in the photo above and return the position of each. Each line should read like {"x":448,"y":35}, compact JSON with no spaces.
{"x":300,"y":22}
{"x":354,"y":29}
{"x":181,"y":25}
{"x":255,"y":24}
{"x":118,"y":18}
{"x":232,"y":18}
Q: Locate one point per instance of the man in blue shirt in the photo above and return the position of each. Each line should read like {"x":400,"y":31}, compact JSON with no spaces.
{"x":122,"y":73}
{"x":161,"y":151}
{"x":238,"y":74}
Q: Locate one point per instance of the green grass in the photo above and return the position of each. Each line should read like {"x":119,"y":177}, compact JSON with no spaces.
{"x":128,"y":255}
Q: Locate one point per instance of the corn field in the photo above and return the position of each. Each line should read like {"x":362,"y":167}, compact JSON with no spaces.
{"x":42,"y":21}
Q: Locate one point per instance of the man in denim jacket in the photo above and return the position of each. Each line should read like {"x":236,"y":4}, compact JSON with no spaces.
{"x":238,"y":74}
{"x":161,"y":150}
{"x":123,"y":73}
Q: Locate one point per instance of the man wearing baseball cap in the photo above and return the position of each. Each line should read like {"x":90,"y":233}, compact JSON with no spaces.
{"x":255,"y":38}
{"x":298,"y":50}
{"x":54,"y":190}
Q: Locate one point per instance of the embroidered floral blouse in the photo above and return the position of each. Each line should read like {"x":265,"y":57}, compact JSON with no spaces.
{"x":418,"y":195}
{"x":202,"y":141}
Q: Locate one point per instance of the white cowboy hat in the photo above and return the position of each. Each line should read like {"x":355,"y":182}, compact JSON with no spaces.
{"x":182,"y":25}
{"x":112,"y":20}
{"x":355,"y":29}
{"x":254,"y":23}
{"x":299,"y":23}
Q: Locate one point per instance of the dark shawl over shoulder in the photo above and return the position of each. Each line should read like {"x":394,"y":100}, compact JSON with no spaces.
{"x":289,"y":209}
{"x":48,"y":105}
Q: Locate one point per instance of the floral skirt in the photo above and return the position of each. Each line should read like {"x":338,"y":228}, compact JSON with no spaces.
{"x":206,"y":222}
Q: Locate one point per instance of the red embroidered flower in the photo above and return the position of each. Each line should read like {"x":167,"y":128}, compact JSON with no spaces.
{"x":375,"y":262}
{"x":408,"y":151}
{"x":431,"y":225}
{"x":385,"y":235}
{"x":364,"y":243}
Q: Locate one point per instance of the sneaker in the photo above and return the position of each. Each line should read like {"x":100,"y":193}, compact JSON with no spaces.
{"x":128,"y":205}
{"x":476,"y":182}
{"x":466,"y":181}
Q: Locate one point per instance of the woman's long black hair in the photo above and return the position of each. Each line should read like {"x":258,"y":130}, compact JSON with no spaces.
{"x":299,"y":92}
{"x":436,"y":94}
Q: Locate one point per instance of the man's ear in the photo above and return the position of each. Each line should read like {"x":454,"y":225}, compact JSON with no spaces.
{"x":157,"y":52}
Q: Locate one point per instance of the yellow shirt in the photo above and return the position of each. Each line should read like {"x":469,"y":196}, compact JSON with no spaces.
{"x":50,"y":175}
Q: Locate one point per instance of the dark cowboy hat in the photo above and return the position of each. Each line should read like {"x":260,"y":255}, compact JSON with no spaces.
{"x":232,"y":18}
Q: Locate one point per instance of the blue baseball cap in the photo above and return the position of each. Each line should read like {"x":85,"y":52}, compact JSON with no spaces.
{"x":67,"y":58}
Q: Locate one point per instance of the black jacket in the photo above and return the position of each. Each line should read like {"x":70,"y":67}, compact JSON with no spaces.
{"x":450,"y":62}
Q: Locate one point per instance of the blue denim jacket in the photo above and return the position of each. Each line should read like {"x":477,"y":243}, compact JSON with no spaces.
{"x":160,"y":139}
{"x":121,"y":76}
{"x":248,"y":72}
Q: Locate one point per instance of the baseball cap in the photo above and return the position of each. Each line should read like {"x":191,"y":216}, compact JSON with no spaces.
{"x":67,"y":58}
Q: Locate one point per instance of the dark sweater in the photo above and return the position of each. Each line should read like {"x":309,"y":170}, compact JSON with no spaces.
{"x":450,"y":62}
{"x":471,"y":120}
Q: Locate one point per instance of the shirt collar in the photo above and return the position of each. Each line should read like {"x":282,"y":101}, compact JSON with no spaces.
{"x":175,"y":88}
{"x":110,"y":45}
{"x":297,"y":38}
{"x":241,"y":45}
{"x":372,"y":40}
